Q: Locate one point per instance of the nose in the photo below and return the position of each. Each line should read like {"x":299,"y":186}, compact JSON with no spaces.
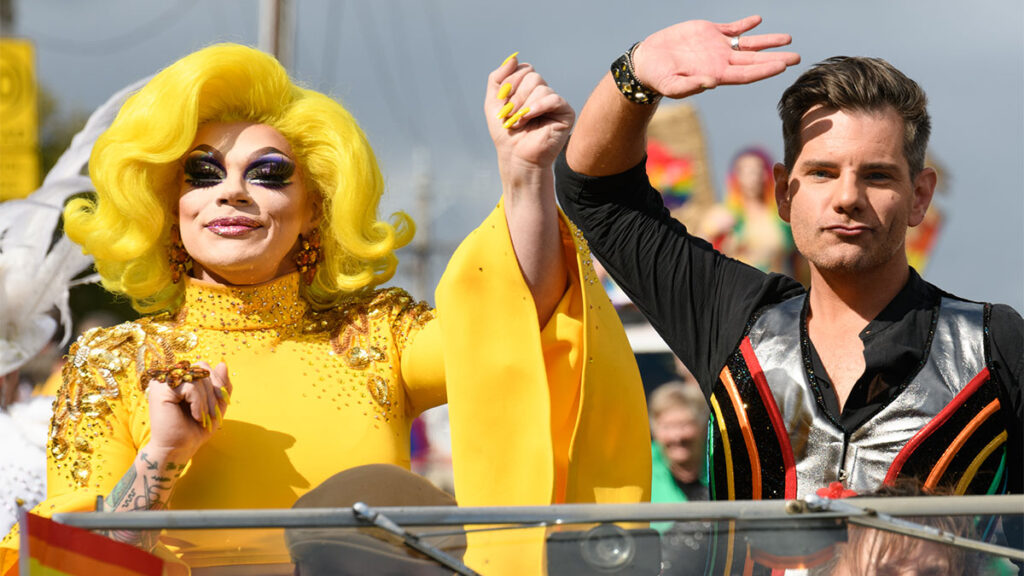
{"x":849,"y":195}
{"x":234,"y":193}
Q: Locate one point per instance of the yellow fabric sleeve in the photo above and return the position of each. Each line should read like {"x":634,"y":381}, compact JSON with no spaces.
{"x":423,"y":369}
{"x":538,"y":416}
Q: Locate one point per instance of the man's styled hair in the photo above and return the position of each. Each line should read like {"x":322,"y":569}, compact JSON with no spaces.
{"x":857,"y":84}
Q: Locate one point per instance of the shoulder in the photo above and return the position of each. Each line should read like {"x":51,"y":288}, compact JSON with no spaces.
{"x":113,"y":352}
{"x":1006,"y":328}
{"x":1004,"y":335}
{"x":380,"y":306}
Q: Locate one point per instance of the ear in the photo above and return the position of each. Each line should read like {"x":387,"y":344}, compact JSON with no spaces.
{"x":782,"y":198}
{"x":316,"y":215}
{"x":924,"y":190}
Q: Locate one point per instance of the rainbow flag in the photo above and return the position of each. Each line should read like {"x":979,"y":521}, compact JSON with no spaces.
{"x":49,"y":548}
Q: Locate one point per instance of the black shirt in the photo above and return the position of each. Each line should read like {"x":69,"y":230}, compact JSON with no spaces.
{"x":701,"y":302}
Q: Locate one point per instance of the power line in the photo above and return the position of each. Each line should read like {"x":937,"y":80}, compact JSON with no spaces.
{"x":141,"y":33}
{"x":456,"y":105}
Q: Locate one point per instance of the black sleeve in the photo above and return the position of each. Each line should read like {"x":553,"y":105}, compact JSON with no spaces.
{"x":698,"y":300}
{"x":1006,"y":351}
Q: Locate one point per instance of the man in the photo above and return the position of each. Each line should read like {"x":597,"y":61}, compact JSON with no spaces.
{"x":871,"y":376}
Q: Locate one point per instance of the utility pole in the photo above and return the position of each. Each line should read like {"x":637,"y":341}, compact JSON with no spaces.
{"x":277,"y":30}
{"x":421,"y":248}
{"x":6,"y":17}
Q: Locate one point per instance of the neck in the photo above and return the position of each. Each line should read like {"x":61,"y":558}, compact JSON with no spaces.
{"x":860,"y":295}
{"x":243,"y":277}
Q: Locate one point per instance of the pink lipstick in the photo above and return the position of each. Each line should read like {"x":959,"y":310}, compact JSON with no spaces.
{"x":232,"y":227}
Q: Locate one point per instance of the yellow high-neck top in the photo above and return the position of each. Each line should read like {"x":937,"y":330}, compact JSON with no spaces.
{"x":314,"y":393}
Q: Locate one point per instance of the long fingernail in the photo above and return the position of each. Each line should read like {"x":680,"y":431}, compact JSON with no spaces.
{"x":511,"y":56}
{"x":504,"y":91}
{"x":516,"y":117}
{"x":220,"y":416}
{"x":223,"y":393}
{"x":206,"y":421}
{"x":505,"y":110}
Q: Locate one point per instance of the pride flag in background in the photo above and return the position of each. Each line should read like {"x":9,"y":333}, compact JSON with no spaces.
{"x":49,"y":548}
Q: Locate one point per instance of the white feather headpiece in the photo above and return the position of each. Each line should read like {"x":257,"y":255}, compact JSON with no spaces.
{"x":36,"y":270}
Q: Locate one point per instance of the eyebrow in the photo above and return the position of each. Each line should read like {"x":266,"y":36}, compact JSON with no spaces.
{"x":881,"y":166}
{"x":267,"y":150}
{"x":207,"y":149}
{"x":816,"y":164}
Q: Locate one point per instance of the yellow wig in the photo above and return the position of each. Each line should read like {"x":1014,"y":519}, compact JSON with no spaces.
{"x":135,"y":166}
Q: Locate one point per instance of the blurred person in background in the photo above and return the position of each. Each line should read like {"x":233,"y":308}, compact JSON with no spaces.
{"x":679,"y":429}
{"x":746,"y":226}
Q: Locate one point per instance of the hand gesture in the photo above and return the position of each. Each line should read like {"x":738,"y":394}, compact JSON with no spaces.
{"x":183,"y":415}
{"x":695,"y":56}
{"x":528,"y":121}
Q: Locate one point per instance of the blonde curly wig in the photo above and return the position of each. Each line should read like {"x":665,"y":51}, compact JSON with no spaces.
{"x":136,"y":162}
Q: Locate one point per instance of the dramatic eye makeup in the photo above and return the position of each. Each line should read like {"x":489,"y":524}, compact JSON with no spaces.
{"x":203,"y":169}
{"x":271,"y":170}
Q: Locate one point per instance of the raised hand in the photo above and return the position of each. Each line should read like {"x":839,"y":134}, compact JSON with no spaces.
{"x":182,"y":417}
{"x":529,"y":124}
{"x":183,"y":414}
{"x":691,"y":57}
{"x":528,"y":121}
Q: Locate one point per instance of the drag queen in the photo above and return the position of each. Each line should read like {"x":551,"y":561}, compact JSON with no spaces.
{"x":238,"y":211}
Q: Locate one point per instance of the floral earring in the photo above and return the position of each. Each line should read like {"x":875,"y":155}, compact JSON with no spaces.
{"x":308,"y":255}
{"x":178,"y":257}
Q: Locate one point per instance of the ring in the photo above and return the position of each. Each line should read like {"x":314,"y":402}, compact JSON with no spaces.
{"x":735,"y":43}
{"x":175,"y":375}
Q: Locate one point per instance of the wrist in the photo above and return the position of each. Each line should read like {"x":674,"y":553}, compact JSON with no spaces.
{"x":177,"y":455}
{"x":626,"y":80}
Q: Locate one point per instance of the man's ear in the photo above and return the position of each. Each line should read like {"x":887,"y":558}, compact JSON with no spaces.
{"x":782,"y":190}
{"x":924,"y":190}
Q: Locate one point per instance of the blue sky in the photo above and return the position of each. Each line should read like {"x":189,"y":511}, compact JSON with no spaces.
{"x":413,"y":73}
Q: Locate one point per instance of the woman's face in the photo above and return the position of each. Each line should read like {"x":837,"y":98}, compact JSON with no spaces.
{"x":243,"y":204}
{"x":750,"y":175}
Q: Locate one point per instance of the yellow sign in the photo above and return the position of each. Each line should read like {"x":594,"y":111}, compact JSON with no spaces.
{"x":19,"y":121}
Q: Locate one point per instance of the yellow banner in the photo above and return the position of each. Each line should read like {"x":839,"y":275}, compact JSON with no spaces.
{"x":19,"y":119}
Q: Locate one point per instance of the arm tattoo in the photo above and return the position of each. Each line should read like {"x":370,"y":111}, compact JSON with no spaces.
{"x":150,"y":492}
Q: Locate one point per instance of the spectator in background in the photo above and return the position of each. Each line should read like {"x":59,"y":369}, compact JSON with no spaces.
{"x":679,"y":426}
{"x":747,"y":225}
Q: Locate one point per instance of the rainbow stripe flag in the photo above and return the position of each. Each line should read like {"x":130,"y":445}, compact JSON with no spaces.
{"x":49,"y":548}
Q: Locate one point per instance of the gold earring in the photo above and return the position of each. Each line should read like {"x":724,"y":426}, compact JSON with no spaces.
{"x":178,"y":257}
{"x":308,"y":255}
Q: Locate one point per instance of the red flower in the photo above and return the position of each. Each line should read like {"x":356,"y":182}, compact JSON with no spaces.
{"x":835,"y":491}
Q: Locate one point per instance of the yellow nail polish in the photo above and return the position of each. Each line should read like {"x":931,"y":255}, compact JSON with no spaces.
{"x":223,"y":393}
{"x":206,"y":421}
{"x":516,"y":117}
{"x":511,"y":56}
{"x":220,"y":416}
{"x":505,"y":110}
{"x":504,"y":91}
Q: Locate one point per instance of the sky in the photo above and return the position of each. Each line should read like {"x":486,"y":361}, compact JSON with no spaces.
{"x":413,"y":73}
